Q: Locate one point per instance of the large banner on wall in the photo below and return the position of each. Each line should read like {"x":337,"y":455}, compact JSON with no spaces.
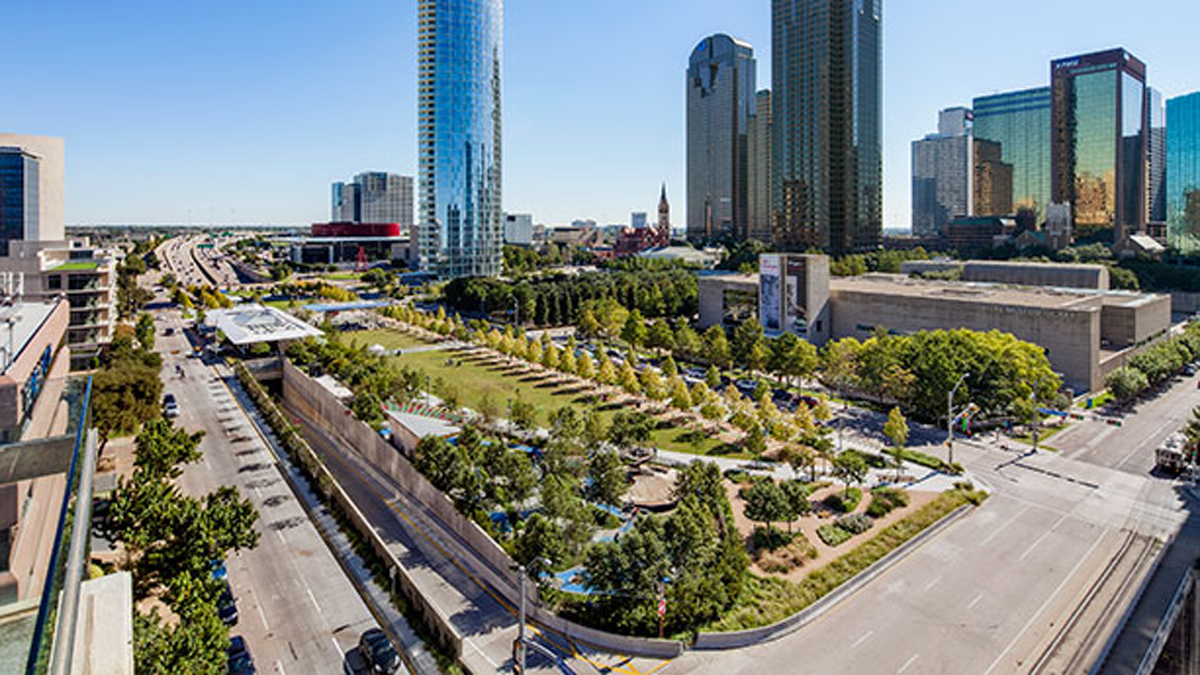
{"x":796,"y":302}
{"x":768,"y":292}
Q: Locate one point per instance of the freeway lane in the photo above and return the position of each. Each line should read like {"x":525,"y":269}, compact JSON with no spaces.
{"x":298,"y":611}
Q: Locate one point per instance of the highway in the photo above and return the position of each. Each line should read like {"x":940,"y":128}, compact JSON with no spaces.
{"x":298,"y":611}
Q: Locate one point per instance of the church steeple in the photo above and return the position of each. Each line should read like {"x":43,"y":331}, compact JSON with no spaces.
{"x":663,"y":234}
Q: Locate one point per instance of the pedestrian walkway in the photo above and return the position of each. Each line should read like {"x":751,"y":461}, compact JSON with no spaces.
{"x":418,"y":659}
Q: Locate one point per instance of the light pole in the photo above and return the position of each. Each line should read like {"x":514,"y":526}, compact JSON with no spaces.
{"x":521,"y":624}
{"x":950,"y":416}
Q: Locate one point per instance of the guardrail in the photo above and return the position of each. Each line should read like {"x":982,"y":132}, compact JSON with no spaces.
{"x":1150,"y":658}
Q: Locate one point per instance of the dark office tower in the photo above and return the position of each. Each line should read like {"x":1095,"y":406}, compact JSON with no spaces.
{"x":759,"y":170}
{"x":1157,"y":151}
{"x":461,"y":227}
{"x":826,"y":107}
{"x":19,"y":192}
{"x":1098,"y":139}
{"x":1020,"y":122}
{"x":993,"y":184}
{"x":720,"y":102}
{"x":1183,"y":173}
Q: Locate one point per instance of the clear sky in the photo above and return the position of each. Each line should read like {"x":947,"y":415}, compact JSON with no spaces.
{"x":246,"y":110}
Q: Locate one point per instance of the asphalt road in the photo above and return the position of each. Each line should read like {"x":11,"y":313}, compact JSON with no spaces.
{"x":298,"y":611}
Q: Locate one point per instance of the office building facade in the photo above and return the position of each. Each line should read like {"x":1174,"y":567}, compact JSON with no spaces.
{"x":518,"y":229}
{"x":993,"y":180}
{"x":826,"y":110}
{"x":943,"y":174}
{"x":758,"y":170}
{"x":460,"y":45}
{"x":1183,"y":173}
{"x":1156,"y":187}
{"x":31,"y":189}
{"x":1098,"y":133}
{"x":720,"y":102}
{"x":374,"y":197}
{"x":1020,"y":122}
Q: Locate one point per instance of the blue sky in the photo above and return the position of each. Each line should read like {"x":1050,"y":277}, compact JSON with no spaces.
{"x":245,"y":111}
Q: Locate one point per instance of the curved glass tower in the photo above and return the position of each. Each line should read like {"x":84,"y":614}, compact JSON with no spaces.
{"x":459,"y":54}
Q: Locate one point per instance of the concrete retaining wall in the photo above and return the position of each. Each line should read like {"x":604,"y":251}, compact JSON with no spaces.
{"x":1185,"y":303}
{"x":305,"y":395}
{"x":746,"y":638}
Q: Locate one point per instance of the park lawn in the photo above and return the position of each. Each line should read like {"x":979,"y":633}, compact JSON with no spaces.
{"x":475,"y":381}
{"x":390,"y":339}
{"x":343,"y":276}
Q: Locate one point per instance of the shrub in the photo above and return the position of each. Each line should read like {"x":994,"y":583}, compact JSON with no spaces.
{"x":844,"y":502}
{"x":872,"y":460}
{"x":833,"y":535}
{"x":855,"y":524}
{"x":885,"y":500}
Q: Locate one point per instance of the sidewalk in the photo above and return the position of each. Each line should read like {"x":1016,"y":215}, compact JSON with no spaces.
{"x":417,"y":658}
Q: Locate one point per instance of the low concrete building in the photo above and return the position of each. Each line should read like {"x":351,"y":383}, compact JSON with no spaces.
{"x":1086,"y":333}
{"x":1059,"y":275}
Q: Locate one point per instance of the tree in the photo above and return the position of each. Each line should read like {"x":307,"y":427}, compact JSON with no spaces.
{"x":850,"y":468}
{"x":630,"y":428}
{"x":607,"y":374}
{"x":766,"y":503}
{"x":125,"y":392}
{"x":634,"y":331}
{"x":145,"y":331}
{"x":1125,"y":383}
{"x":550,"y":357}
{"x":713,"y":378}
{"x":681,"y":398}
{"x":796,"y":494}
{"x":567,"y":363}
{"x":608,"y":476}
{"x":755,"y":442}
{"x":540,"y":541}
{"x":660,"y":336}
{"x":669,"y":367}
{"x":628,"y":379}
{"x":585,"y":368}
{"x":792,"y":358}
{"x":652,"y":385}
{"x":588,"y":325}
{"x":716,"y":347}
{"x":594,"y":428}
{"x":523,"y":414}
{"x":840,"y":362}
{"x":896,"y":429}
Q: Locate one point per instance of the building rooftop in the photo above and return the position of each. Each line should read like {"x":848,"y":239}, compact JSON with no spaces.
{"x":18,"y":324}
{"x":1000,"y":294}
{"x":77,"y":266}
{"x":422,"y":426}
{"x":252,"y":324}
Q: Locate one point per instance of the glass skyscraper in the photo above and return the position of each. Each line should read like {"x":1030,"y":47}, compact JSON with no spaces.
{"x":1157,"y":152}
{"x":1098,"y":140}
{"x":1183,"y":173}
{"x":720,"y":102}
{"x":19,"y":194}
{"x":827,"y":122}
{"x":1020,"y":122}
{"x":461,"y":228}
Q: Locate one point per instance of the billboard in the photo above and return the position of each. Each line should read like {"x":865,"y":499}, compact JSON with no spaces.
{"x":796,"y":301}
{"x":768,"y":293}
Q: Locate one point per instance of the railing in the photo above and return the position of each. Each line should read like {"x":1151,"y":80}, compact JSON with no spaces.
{"x":41,"y":644}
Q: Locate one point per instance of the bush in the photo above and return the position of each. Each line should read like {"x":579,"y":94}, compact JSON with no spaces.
{"x":885,"y":500}
{"x":769,"y":539}
{"x":855,"y":524}
{"x":833,"y":535}
{"x":872,"y":460}
{"x":844,"y":502}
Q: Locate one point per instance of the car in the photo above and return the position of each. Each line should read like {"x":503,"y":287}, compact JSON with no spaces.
{"x":170,"y":406}
{"x":745,"y":385}
{"x":696,"y":373}
{"x":379,"y":651}
{"x":239,"y":660}
{"x":1190,"y":369}
{"x":227,"y":606}
{"x":169,"y":331}
{"x":355,"y":663}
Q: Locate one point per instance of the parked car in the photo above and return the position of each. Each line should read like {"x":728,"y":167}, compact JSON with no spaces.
{"x":170,"y":406}
{"x":378,"y":649}
{"x":227,"y":606}
{"x":355,"y":663}
{"x":746,"y":386}
{"x":1190,"y":369}
{"x":697,"y":373}
{"x":240,"y":661}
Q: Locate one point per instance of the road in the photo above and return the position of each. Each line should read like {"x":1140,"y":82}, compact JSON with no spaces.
{"x":182,"y":257}
{"x":298,"y":611}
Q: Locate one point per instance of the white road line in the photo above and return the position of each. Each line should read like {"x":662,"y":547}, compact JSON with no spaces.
{"x":313,"y":598}
{"x":1045,"y":604}
{"x":998,"y":530}
{"x":975,"y":601}
{"x":1042,"y":538}
{"x":909,"y":662}
{"x":337,"y":648}
{"x":862,"y":639}
{"x":932,"y":582}
{"x":279,"y":667}
{"x":262,"y":614}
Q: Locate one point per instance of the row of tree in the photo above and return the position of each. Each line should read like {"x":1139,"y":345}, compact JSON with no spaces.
{"x":374,"y":378}
{"x":1155,"y":365}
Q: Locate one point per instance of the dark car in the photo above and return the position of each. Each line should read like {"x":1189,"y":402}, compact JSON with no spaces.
{"x":227,"y":606}
{"x":356,"y":664}
{"x":379,"y":651}
{"x":240,"y":662}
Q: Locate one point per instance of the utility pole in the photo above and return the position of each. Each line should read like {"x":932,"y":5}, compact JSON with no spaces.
{"x":950,"y":417}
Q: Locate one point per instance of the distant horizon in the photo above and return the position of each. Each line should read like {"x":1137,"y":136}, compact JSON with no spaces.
{"x":160,"y":127}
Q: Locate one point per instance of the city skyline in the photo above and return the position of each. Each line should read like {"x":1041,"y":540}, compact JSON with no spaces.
{"x":578,"y":145}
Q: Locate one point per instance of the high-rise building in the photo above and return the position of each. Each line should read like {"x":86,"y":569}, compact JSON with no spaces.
{"x":758,"y":170}
{"x":638,"y":220}
{"x":518,"y":229}
{"x":460,"y":44}
{"x":720,"y":102}
{"x":31,"y":189}
{"x":943,"y":174}
{"x":1098,"y":134}
{"x":346,"y":204}
{"x":374,"y":197}
{"x":826,"y":111}
{"x":1183,"y":173}
{"x":1156,"y":187}
{"x":1020,"y":122}
{"x":993,"y":184}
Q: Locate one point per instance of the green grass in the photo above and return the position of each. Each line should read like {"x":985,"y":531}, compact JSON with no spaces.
{"x":765,"y":601}
{"x":833,"y":535}
{"x":343,"y":276}
{"x":474,"y":381}
{"x":1044,"y":435}
{"x":390,"y":339}
{"x":1098,"y":401}
{"x":845,"y":501}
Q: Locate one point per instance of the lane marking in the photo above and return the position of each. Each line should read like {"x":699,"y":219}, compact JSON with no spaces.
{"x":909,"y":662}
{"x":279,"y":667}
{"x":932,"y":582}
{"x":998,"y":530}
{"x":261,"y":613}
{"x":859,"y":641}
{"x":1045,"y":604}
{"x":975,"y":601}
{"x":1042,"y":538}
{"x":313,"y":598}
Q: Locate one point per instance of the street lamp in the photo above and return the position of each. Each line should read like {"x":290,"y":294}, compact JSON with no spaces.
{"x":521,"y":646}
{"x":950,"y":416}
